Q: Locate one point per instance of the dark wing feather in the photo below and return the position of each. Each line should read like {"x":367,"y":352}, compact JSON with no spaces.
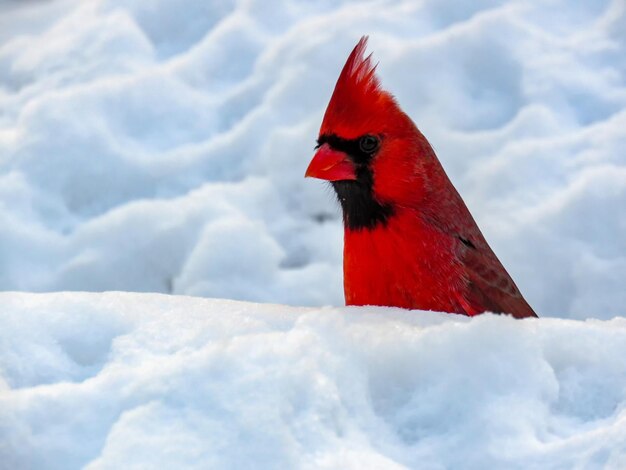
{"x":489,"y":285}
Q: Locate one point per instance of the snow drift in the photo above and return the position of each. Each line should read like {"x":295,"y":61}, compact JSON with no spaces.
{"x":160,"y":146}
{"x":120,"y":380}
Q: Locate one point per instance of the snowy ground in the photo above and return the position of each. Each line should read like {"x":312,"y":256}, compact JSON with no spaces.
{"x":160,"y":146}
{"x":130,"y":381}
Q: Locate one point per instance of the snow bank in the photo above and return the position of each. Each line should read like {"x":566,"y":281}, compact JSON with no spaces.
{"x":120,"y":380}
{"x":160,"y":146}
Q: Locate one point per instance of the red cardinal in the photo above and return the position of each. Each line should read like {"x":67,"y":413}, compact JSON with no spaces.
{"x":409,"y":239}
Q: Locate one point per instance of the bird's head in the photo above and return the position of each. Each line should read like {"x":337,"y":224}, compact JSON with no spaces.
{"x":368,"y":148}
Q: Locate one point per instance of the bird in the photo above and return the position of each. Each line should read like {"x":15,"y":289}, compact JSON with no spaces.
{"x":409,"y":239}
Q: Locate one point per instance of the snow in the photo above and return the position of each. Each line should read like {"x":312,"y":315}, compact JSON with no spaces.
{"x":128,"y":380}
{"x":160,"y":146}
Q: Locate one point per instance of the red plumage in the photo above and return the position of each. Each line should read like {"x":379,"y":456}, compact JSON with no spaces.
{"x":409,"y":239}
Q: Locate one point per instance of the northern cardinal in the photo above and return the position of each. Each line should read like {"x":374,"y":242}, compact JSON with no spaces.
{"x":409,"y":239}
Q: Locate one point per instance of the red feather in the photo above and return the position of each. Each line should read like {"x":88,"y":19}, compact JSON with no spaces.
{"x":421,"y":249}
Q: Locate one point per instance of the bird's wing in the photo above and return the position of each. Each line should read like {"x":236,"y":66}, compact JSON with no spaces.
{"x":489,"y":285}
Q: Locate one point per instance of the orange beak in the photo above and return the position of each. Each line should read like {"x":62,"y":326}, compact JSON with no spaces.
{"x":331,"y":165}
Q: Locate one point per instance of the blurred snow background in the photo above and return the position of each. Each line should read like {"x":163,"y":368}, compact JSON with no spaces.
{"x":160,"y":146}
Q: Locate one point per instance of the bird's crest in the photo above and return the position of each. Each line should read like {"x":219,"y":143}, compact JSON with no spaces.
{"x":357,"y":98}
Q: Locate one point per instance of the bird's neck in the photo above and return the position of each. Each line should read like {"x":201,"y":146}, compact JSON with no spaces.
{"x":361,"y":210}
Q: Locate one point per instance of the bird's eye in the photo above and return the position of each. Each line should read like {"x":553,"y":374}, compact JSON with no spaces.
{"x":368,"y":143}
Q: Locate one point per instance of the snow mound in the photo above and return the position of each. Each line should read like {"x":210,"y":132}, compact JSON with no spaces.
{"x":120,"y":380}
{"x":160,"y":146}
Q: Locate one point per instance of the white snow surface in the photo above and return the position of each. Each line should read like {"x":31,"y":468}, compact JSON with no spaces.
{"x":160,"y":145}
{"x":150,"y":381}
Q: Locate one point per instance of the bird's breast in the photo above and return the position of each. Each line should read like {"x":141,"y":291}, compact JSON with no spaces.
{"x":404,"y":263}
